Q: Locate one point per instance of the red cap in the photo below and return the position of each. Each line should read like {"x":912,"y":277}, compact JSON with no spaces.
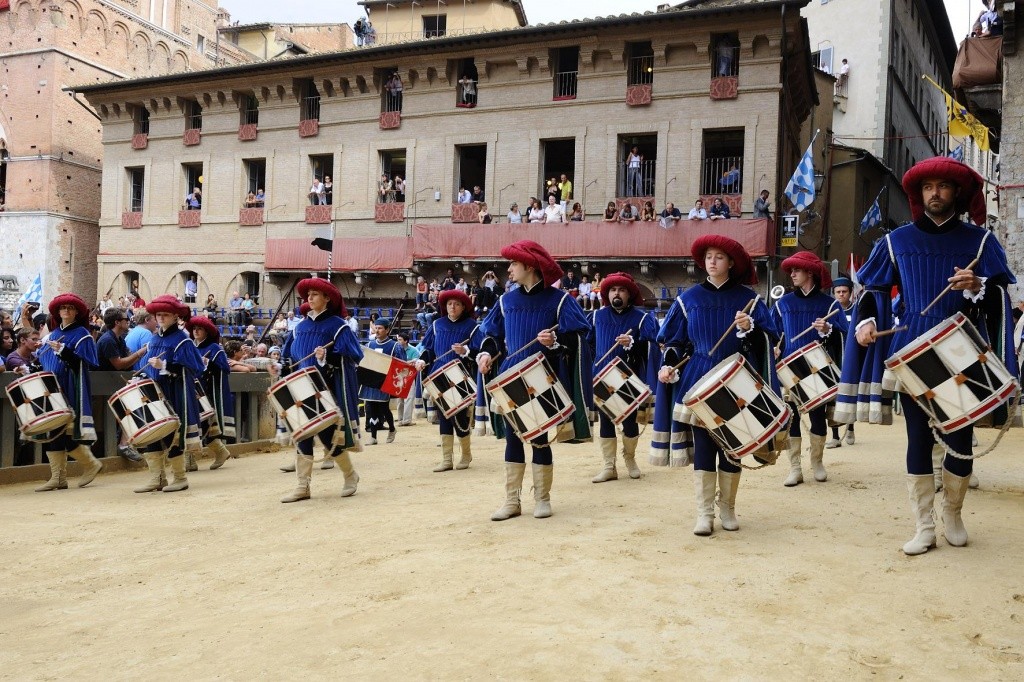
{"x":621,"y":279}
{"x":455,"y":295}
{"x":68,"y":299}
{"x":971,"y":199}
{"x":336,"y":302}
{"x":212,"y":333}
{"x":809,"y":261}
{"x":743,"y":268}
{"x":534,"y":255}
{"x":168,"y":304}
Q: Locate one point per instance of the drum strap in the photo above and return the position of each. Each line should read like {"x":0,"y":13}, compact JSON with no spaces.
{"x":1002,"y":432}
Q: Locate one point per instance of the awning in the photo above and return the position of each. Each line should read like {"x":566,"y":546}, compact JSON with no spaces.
{"x":351,"y":254}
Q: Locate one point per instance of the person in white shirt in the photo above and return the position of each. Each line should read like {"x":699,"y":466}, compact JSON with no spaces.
{"x":698,"y":212}
{"x":554,"y":213}
{"x":292,"y":320}
{"x":514,"y":216}
{"x":317,"y":193}
{"x":585,"y":288}
{"x":464,"y":196}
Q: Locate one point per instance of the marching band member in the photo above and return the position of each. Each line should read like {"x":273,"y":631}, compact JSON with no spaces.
{"x":521,"y":316}
{"x":174,"y":363}
{"x":323,"y":340}
{"x":697,"y":319}
{"x":922,"y":258}
{"x":807,"y":305}
{"x":842,"y":290}
{"x":376,"y":402}
{"x":215,"y":383}
{"x":69,"y":352}
{"x":446,"y":338}
{"x":622,"y":322}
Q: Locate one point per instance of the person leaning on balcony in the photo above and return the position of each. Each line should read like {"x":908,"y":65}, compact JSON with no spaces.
{"x":611,"y":214}
{"x":647,"y":213}
{"x":194,"y":201}
{"x":577,"y":213}
{"x":719,"y":209}
{"x":468,"y":90}
{"x":478,"y":194}
{"x":250,"y":200}
{"x":698,"y":212}
{"x":670,"y":216}
{"x":464,"y":196}
{"x":514,"y":216}
{"x":628,"y":213}
{"x":385,"y":189}
{"x":762,"y":209}
{"x":316,"y":192}
{"x":328,"y":191}
{"x":536,"y":214}
{"x":484,"y":216}
{"x":399,"y":189}
{"x":553,"y":213}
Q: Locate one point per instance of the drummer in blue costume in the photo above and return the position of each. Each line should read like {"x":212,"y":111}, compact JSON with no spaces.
{"x":693,"y":325}
{"x":447,"y":339}
{"x":69,"y":353}
{"x":842,"y":290}
{"x":215,"y":383}
{"x":622,"y":322}
{"x":521,"y":316}
{"x":376,"y":402}
{"x":922,"y":258}
{"x":323,"y":340}
{"x":174,"y":363}
{"x":806,"y":306}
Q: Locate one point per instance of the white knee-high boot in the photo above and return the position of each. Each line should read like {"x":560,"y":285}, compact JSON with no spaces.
{"x":922,"y":501}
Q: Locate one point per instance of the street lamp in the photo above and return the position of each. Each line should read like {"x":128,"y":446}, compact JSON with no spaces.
{"x":819,"y":180}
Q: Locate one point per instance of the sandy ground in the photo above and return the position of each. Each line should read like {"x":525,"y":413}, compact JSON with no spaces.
{"x":409,"y":579}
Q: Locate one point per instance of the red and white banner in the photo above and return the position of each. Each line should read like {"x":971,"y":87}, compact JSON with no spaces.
{"x":386,"y":373}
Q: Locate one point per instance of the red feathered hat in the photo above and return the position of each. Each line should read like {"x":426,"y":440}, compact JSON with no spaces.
{"x":455,"y":295}
{"x":625,"y":280}
{"x":168,"y":304}
{"x":809,"y":261}
{"x":336,"y":303}
{"x":304,"y":309}
{"x":212,"y":333}
{"x":534,"y":255}
{"x":743,"y":268}
{"x":971,"y":199}
{"x":68,"y":299}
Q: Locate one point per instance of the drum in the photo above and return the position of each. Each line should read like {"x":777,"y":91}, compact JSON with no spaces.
{"x":737,"y":408}
{"x":206,"y":409}
{"x":952,"y":373}
{"x":810,"y":375}
{"x":306,"y":403}
{"x":530,"y":397}
{"x":618,"y":391}
{"x":143,"y":413}
{"x":39,"y":404}
{"x":451,"y":388}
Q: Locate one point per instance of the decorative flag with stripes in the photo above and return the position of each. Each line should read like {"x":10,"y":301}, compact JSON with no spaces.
{"x":800,"y":190}
{"x":957,"y":154}
{"x":873,"y":218}
{"x":34,"y":293}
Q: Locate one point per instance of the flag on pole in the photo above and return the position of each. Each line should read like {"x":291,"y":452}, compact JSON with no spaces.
{"x":853,"y":276}
{"x":873,"y":218}
{"x":323,"y":238}
{"x":957,"y":154}
{"x":800,"y":190}
{"x":961,"y":122}
{"x":386,"y":373}
{"x":34,"y":293}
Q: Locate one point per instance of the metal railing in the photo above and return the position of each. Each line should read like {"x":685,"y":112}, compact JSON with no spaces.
{"x":406,"y":36}
{"x":725,"y":61}
{"x":641,"y":71}
{"x":565,"y":85}
{"x":311,"y":108}
{"x":841,"y":86}
{"x":722,"y":175}
{"x":250,"y":390}
{"x":391,"y":101}
{"x":637,"y":180}
{"x":194,"y":121}
{"x":251,"y":113}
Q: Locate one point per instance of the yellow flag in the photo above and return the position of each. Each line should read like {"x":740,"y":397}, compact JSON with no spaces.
{"x":962,"y":123}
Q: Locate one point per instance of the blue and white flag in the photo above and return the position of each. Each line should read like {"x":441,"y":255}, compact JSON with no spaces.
{"x":800,"y":190}
{"x":957,"y":154}
{"x":34,"y":293}
{"x":873,"y":218}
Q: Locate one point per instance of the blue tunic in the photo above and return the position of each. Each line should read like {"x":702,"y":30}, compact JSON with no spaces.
{"x":388,"y":347}
{"x":215,"y":383}
{"x":72,"y":368}
{"x":644,"y":358}
{"x":339,"y":370}
{"x":919,"y":258}
{"x":178,"y":380}
{"x":796,"y":311}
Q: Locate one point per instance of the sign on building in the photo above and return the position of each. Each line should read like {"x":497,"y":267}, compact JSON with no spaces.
{"x":790,"y":230}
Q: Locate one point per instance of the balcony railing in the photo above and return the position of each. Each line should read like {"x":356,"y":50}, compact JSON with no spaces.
{"x":722,"y":175}
{"x":565,"y":85}
{"x":640,"y":71}
{"x":190,"y":218}
{"x":318,"y":215}
{"x":726,"y":61}
{"x":636,"y":181}
{"x":251,"y":216}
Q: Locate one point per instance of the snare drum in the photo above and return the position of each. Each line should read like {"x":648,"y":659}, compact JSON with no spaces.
{"x":530,"y":397}
{"x":451,"y":389}
{"x":618,"y":391}
{"x":952,"y":374}
{"x":206,"y":409}
{"x":306,"y":403}
{"x":737,"y":408}
{"x":810,"y":375}
{"x":143,"y":413}
{"x":39,"y":404}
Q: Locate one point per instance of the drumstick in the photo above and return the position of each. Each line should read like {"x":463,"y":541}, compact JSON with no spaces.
{"x":461,"y":343}
{"x":682,"y":362}
{"x":746,"y":309}
{"x":608,"y":352}
{"x":970,"y":266}
{"x":531,"y":342}
{"x":325,"y":346}
{"x":812,"y":326}
{"x":890,"y":331}
{"x":394,"y":320}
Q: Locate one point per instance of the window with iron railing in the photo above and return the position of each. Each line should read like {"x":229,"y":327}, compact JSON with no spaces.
{"x":725,"y":59}
{"x":309,"y":103}
{"x":635,"y":179}
{"x":722,"y":175}
{"x":435,"y":26}
{"x":193,"y":115}
{"x":641,"y":71}
{"x":567,"y":64}
{"x":136,"y":183}
{"x":141,"y":121}
{"x":565,"y":85}
{"x":250,"y":111}
{"x":391,"y":93}
{"x":256,"y":174}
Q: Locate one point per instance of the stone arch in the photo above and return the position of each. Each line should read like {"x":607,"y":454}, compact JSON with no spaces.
{"x":176,"y":283}
{"x":761,"y":47}
{"x":162,"y":56}
{"x":237,"y":282}
{"x":73,"y":18}
{"x":96,"y":22}
{"x":26,"y":16}
{"x":120,"y":282}
{"x":180,"y":61}
{"x":117,"y":38}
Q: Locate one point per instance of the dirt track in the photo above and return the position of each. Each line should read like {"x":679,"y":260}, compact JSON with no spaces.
{"x":409,"y":579}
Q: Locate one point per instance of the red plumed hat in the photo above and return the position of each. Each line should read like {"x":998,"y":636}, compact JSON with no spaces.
{"x":971,"y":199}
{"x":212,"y":333}
{"x":809,"y":261}
{"x":743,"y":268}
{"x":534,"y":255}
{"x":625,"y":280}
{"x":68,"y":299}
{"x":168,"y":304}
{"x":336,"y":302}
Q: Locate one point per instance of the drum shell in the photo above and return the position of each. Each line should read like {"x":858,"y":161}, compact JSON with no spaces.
{"x":291,"y":395}
{"x":143,"y":413}
{"x":626,"y":392}
{"x":35,"y":420}
{"x":530,"y":397}
{"x":455,"y":375}
{"x":820,"y":381}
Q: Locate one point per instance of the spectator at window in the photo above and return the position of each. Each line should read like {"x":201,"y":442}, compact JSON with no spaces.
{"x":647,"y":214}
{"x":698,"y":212}
{"x":316,"y":192}
{"x":194,"y":200}
{"x":385,"y":189}
{"x":565,"y":192}
{"x":762,"y":209}
{"x":467,"y":90}
{"x":726,"y":52}
{"x":191,"y":289}
{"x":250,"y":200}
{"x":478,"y":194}
{"x":395,"y":88}
{"x":421,"y":292}
{"x":484,"y":216}
{"x":577,"y":213}
{"x":399,"y":189}
{"x":328,"y":191}
{"x":584,"y":296}
{"x":464,"y":196}
{"x":628,"y":213}
{"x":634,"y":173}
{"x":719,"y":209}
{"x":261,"y":197}
{"x":730,"y":181}
{"x":536,"y":212}
{"x":670,"y":216}
{"x":844,"y":74}
{"x":611,"y":214}
{"x":514,"y":216}
{"x":991,"y":23}
{"x":553,"y":191}
{"x":554,"y":213}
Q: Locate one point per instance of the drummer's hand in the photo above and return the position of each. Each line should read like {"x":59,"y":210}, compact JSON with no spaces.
{"x":667,"y":375}
{"x":821,"y":326}
{"x":965,"y":279}
{"x":21,"y":369}
{"x":778,"y":352}
{"x":206,"y":361}
{"x":483,"y":363}
{"x":744,"y":321}
{"x":419,"y":365}
{"x":866,"y":334}
{"x":459,"y":350}
{"x":55,"y":346}
{"x":547,"y":338}
{"x":624,"y":340}
{"x":157,"y":363}
{"x":320,"y":353}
